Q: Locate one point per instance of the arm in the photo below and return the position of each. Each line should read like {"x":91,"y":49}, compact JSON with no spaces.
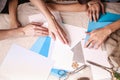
{"x":32,"y":29}
{"x":76,"y":7}
{"x":4,"y":34}
{"x":55,"y":29}
{"x":93,"y":7}
{"x":114,"y":26}
{"x":13,"y":13}
{"x":97,"y":37}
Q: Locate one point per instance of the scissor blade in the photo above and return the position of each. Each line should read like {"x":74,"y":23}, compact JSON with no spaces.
{"x":96,"y":64}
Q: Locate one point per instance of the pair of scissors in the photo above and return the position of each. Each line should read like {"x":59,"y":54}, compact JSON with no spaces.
{"x":110,"y":70}
{"x":65,"y":75}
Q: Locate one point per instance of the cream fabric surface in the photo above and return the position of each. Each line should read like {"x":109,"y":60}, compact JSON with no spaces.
{"x":79,"y":19}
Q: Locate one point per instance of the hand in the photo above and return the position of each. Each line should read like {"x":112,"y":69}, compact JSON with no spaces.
{"x":94,"y":8}
{"x":55,"y":30}
{"x":15,"y":24}
{"x":97,"y":37}
{"x":35,"y":29}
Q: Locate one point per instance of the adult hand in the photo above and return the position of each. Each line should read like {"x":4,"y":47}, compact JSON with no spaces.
{"x":35,"y":29}
{"x":55,"y":30}
{"x":97,"y":37}
{"x":94,"y":8}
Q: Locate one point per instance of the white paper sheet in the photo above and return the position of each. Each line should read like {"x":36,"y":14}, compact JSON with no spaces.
{"x":100,"y":57}
{"x":22,"y":64}
{"x":62,"y":54}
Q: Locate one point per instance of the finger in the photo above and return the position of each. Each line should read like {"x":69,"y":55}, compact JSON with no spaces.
{"x":41,"y":31}
{"x":98,"y":45}
{"x":94,"y":15}
{"x":40,"y":28}
{"x":97,"y":15}
{"x":88,"y":13}
{"x":88,"y":33}
{"x":88,"y":42}
{"x":62,"y":31}
{"x":52,"y":35}
{"x":92,"y":44}
{"x":41,"y":34}
{"x":37,"y":23}
{"x":90,"y":16}
{"x":102,"y":7}
{"x":60,"y":36}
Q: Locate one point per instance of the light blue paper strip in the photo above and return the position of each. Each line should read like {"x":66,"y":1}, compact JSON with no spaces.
{"x":41,"y":46}
{"x":45,"y":48}
{"x":38,"y":44}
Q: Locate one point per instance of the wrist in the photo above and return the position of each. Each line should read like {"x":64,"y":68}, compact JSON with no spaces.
{"x":109,"y":30}
{"x":52,"y":20}
{"x":20,"y":32}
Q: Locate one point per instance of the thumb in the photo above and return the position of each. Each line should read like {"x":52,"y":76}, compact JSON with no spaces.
{"x":102,"y":7}
{"x":88,"y":33}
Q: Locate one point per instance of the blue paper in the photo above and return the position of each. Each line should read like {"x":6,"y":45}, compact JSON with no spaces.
{"x":104,"y":20}
{"x":97,"y":25}
{"x":38,"y":44}
{"x":109,"y":17}
{"x":41,"y":46}
{"x":45,"y":48}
